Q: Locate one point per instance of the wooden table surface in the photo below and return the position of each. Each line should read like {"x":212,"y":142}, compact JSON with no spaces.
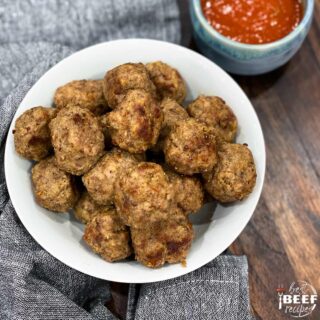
{"x":282,"y":240}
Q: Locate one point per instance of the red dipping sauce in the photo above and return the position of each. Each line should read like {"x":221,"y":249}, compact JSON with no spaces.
{"x":253,"y":21}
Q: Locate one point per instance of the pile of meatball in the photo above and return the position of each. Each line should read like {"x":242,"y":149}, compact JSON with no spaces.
{"x":132,"y":162}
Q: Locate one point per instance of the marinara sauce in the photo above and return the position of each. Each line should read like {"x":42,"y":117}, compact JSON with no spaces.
{"x":253,"y":21}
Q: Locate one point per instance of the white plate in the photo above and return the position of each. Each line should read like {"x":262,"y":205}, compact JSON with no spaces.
{"x":61,"y":235}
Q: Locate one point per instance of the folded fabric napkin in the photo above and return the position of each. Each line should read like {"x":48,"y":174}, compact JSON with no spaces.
{"x":35,"y":35}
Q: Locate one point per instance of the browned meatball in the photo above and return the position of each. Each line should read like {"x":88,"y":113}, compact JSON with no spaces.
{"x":86,"y":208}
{"x":107,"y":236}
{"x":86,"y":94}
{"x":234,"y":177}
{"x":191,"y":147}
{"x":77,"y":139}
{"x":53,"y":189}
{"x":31,"y":133}
{"x":214,"y":112}
{"x":188,"y":191}
{"x":168,"y":241}
{"x":121,"y":79}
{"x":167,"y":80}
{"x":149,"y":250}
{"x":178,"y":237}
{"x":135,"y":124}
{"x":100,"y":180}
{"x":143,"y":195}
{"x":172,"y":113}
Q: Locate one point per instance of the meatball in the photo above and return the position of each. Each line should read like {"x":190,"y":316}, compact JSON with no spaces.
{"x":167,"y":80}
{"x":234,"y":177}
{"x":188,"y":191}
{"x":128,"y":76}
{"x":143,"y":195}
{"x":168,"y":241}
{"x":31,"y":134}
{"x":106,"y":235}
{"x":191,"y":147}
{"x":100,"y":180}
{"x":77,"y":139}
{"x":135,"y":124}
{"x":53,"y":188}
{"x":149,"y":250}
{"x":178,"y":237}
{"x":86,"y":94}
{"x":214,"y":112}
{"x":86,"y":208}
{"x":172,"y":113}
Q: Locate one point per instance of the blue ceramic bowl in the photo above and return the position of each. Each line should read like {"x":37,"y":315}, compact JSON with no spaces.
{"x":247,"y":59}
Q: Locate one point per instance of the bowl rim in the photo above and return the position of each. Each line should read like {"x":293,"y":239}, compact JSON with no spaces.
{"x":253,"y":47}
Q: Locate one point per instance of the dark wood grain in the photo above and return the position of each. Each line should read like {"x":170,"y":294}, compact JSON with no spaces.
{"x":119,"y":298}
{"x":282,"y":240}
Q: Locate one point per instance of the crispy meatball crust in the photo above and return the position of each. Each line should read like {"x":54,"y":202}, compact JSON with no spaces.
{"x":172,"y":113}
{"x":143,"y":195}
{"x":77,"y":139}
{"x":214,"y":112}
{"x":101,"y":179}
{"x":31,"y":133}
{"x":168,"y":241}
{"x":234,"y":177}
{"x":188,"y":191}
{"x":191,"y":147}
{"x":107,"y":236}
{"x":86,"y":94}
{"x":149,"y":250}
{"x":178,"y":237}
{"x":121,"y":79}
{"x":86,"y":208}
{"x":167,"y":80}
{"x":135,"y":124}
{"x":54,"y":189}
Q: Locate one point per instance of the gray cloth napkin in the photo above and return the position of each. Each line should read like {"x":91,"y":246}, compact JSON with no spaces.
{"x":34,"y":35}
